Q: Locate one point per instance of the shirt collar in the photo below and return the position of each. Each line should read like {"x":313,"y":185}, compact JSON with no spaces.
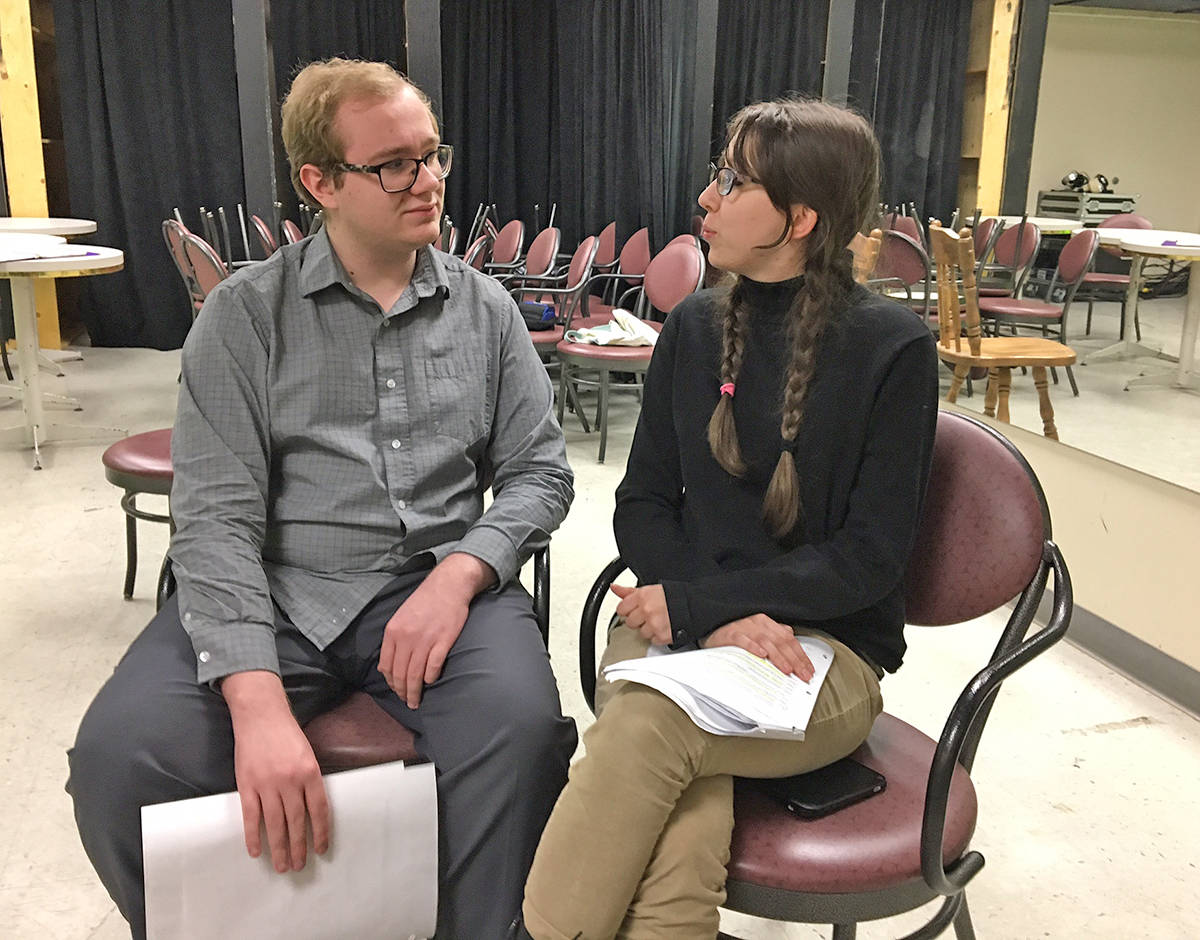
{"x":320,"y":267}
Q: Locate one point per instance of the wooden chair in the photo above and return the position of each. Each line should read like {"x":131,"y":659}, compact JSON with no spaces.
{"x":865,"y":249}
{"x":954,"y":256}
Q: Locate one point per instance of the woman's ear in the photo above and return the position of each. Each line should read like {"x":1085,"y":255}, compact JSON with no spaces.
{"x":320,"y":185}
{"x":804,"y":220}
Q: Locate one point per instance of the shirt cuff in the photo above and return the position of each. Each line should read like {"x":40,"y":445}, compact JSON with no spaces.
{"x":684,"y":630}
{"x":494,"y":548}
{"x":225,"y":648}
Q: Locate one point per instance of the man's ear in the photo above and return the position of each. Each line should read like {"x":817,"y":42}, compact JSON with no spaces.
{"x":320,"y":185}
{"x":804,"y":220}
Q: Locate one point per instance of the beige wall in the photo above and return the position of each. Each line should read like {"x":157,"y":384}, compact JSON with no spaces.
{"x":1131,"y":542}
{"x":1118,"y":97}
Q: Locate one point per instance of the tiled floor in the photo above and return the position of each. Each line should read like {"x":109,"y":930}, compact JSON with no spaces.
{"x":1087,"y":782}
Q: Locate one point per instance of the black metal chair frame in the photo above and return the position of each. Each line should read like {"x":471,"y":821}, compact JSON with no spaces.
{"x":958,"y":745}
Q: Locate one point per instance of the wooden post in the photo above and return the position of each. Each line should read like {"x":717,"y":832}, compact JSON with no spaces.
{"x":994,"y":138}
{"x":21,"y":130}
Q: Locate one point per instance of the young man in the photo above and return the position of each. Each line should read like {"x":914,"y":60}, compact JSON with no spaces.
{"x":343,"y":407}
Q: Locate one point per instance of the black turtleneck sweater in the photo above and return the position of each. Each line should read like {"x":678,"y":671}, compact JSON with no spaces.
{"x":863,"y":454}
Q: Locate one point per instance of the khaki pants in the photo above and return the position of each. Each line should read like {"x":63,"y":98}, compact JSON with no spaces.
{"x":639,"y":839}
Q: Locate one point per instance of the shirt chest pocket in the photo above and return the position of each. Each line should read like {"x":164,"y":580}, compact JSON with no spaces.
{"x":458,"y":398}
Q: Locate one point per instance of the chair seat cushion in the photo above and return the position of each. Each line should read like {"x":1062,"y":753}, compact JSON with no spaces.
{"x":869,"y":846}
{"x":1023,"y":307}
{"x":358,"y":733}
{"x":628,"y":356}
{"x":1099,"y":277}
{"x":141,"y":462}
{"x":995,"y":291}
{"x":546,"y":340}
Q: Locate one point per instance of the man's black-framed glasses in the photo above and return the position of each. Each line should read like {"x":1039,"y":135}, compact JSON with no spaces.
{"x":400,"y":175}
{"x":726,"y":176}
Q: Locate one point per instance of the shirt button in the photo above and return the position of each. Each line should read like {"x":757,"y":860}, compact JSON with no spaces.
{"x":391,"y":383}
{"x":205,"y":656}
{"x":187,"y":616}
{"x":402,"y":504}
{"x":395,"y":445}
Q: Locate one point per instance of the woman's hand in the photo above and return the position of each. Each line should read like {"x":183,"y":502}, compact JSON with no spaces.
{"x":645,"y":609}
{"x":767,"y":638}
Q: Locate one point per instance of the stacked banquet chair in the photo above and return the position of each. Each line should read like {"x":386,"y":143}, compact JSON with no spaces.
{"x":675,"y":272}
{"x":903,"y":271}
{"x":954,"y":256}
{"x":266,"y":240}
{"x":984,"y":540}
{"x":478,"y":252}
{"x":627,"y":273}
{"x":291,"y":232}
{"x":1073,"y":263}
{"x":507,"y":244}
{"x":1002,"y":272}
{"x":1103,"y":285}
{"x":538,"y":263}
{"x":565,"y":294}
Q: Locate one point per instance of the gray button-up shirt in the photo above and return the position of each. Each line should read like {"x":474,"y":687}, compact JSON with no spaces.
{"x":322,"y":444}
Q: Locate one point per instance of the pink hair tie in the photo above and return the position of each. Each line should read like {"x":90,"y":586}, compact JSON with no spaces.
{"x":727,"y":389}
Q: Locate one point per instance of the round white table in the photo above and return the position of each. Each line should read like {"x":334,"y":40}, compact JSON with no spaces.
{"x":46,"y":226}
{"x":1047,"y":224}
{"x":35,"y":430}
{"x":1141,"y":244}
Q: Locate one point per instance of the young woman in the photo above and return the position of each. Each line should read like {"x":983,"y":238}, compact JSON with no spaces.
{"x":773,"y":489}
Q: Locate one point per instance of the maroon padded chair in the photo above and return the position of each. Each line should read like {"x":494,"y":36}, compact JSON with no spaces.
{"x":565,"y":293}
{"x":1103,"y":285}
{"x":173,"y":234}
{"x":631,"y":266}
{"x":477,"y":255}
{"x":265,"y":239}
{"x":906,"y":225}
{"x":140,"y":463}
{"x":1073,"y":263}
{"x":1002,"y":273}
{"x":984,"y":539}
{"x":207,"y":265}
{"x":542,"y":254}
{"x":506,"y":248}
{"x":606,"y":248}
{"x":985,"y":233}
{"x":675,"y":272}
{"x":902,"y":265}
{"x":359,"y":733}
{"x":291,"y":232}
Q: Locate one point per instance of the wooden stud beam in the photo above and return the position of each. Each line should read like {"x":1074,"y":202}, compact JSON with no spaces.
{"x":21,"y":129}
{"x":996,"y":104}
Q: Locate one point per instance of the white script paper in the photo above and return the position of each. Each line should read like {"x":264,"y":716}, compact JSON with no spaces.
{"x":377,"y":880}
{"x":727,"y":690}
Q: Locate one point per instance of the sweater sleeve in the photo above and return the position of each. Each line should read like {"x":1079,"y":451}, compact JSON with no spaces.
{"x":648,"y":518}
{"x":865,"y":559}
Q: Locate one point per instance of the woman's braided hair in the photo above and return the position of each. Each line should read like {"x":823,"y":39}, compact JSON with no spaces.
{"x":815,"y":154}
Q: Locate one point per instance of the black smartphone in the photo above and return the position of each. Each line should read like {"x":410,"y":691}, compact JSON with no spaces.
{"x":825,"y":790}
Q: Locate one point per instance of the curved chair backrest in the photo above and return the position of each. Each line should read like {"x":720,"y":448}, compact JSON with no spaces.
{"x":291,"y":232}
{"x":905,"y":224}
{"x":983,"y":525}
{"x":606,"y":246}
{"x":210,"y":269}
{"x":581,"y":262}
{"x":635,"y":255}
{"x":265,"y":238}
{"x":509,"y":242}
{"x":448,"y":240}
{"x":1017,"y":245}
{"x":686,"y":239}
{"x":477,"y":254}
{"x":174,"y":233}
{"x":983,"y":234}
{"x":900,"y":256}
{"x":673,"y":273}
{"x":1076,"y":257}
{"x":539,"y":260}
{"x":1124,"y":220}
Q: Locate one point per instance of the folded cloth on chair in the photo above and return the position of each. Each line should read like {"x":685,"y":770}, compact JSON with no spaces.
{"x":623,"y":330}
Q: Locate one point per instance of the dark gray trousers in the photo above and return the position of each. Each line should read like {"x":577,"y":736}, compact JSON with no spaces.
{"x":492,"y":725}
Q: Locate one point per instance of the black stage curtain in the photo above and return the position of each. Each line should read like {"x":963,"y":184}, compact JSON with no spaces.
{"x":150,"y":114}
{"x":764,"y":50}
{"x":353,"y":29}
{"x":580,"y":102}
{"x":918,"y":97}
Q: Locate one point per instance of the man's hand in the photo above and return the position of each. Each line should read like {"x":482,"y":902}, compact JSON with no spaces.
{"x":419,"y":635}
{"x":767,"y":638}
{"x":278,"y":779}
{"x":645,"y":609}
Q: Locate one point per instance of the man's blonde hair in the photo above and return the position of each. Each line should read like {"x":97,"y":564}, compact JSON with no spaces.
{"x":311,"y":106}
